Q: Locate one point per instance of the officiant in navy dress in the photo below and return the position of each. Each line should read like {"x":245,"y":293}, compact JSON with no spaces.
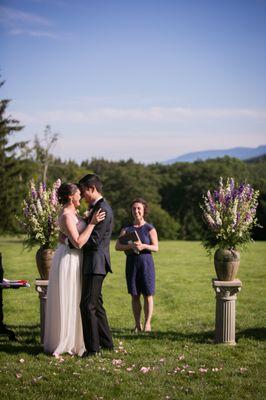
{"x":140,"y":271}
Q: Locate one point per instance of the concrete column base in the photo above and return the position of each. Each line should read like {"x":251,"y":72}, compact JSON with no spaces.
{"x":226,"y":295}
{"x":41,"y":287}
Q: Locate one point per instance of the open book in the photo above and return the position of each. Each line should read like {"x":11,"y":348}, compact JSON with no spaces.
{"x":129,"y":238}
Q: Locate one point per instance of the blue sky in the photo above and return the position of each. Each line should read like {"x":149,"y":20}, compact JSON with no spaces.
{"x":148,"y":80}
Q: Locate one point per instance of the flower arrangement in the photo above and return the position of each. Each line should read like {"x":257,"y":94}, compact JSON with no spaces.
{"x":230,"y":214}
{"x":40,"y":213}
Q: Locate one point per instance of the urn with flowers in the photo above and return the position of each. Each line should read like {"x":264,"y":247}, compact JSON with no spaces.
{"x":230,"y":214}
{"x":39,"y":222}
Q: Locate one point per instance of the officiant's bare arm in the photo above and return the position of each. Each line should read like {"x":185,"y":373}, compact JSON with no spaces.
{"x":154,"y":246}
{"x":76,"y":238}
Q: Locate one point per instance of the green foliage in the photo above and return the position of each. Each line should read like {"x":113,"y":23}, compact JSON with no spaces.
{"x":167,"y":227}
{"x":14,"y":169}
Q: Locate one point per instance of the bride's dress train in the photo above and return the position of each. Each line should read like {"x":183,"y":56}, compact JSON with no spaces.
{"x":63,"y":326}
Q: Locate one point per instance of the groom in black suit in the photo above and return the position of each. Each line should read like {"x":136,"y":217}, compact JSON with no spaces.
{"x":96,"y":264}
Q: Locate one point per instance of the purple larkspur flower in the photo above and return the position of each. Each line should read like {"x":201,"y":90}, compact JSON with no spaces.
{"x":211,"y":201}
{"x":40,"y":190}
{"x":216,"y":195}
{"x":232,"y":185}
{"x":53,"y":197}
{"x":33,"y":208}
{"x":248,"y":217}
{"x":227,"y":199}
{"x":221,"y":196}
{"x":250,"y":192}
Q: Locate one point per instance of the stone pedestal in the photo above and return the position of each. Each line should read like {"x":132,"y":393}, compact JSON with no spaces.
{"x":41,"y":287}
{"x":226,"y":295}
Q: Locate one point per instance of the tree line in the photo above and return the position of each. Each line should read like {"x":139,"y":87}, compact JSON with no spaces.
{"x":173,"y":192}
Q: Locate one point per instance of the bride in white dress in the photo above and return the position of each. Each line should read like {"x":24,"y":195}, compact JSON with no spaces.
{"x":63,"y":327}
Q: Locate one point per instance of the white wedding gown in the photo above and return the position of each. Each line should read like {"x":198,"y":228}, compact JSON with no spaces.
{"x":63,"y":325}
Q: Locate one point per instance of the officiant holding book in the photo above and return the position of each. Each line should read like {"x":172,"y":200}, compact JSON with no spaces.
{"x":138,"y":241}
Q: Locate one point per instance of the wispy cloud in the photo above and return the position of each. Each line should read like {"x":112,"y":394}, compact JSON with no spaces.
{"x":11,"y":16}
{"x":165,"y":115}
{"x":30,"y":32}
{"x":17,"y":22}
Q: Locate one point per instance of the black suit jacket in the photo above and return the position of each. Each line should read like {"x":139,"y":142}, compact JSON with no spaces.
{"x":96,"y":252}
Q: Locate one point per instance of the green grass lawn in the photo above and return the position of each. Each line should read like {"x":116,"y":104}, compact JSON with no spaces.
{"x":180,"y":357}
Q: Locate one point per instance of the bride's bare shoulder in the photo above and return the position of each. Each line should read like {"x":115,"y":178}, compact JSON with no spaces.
{"x":66,"y":215}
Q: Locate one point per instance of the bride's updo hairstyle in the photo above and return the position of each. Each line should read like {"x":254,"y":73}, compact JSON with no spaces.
{"x":66,"y":190}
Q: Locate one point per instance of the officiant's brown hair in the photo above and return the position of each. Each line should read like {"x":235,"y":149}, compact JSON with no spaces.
{"x":143,"y":202}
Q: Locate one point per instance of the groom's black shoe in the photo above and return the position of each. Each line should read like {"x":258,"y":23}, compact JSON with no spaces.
{"x":91,"y":354}
{"x":110,"y":348}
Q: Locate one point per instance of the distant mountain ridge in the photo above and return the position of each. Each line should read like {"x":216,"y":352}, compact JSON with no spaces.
{"x":243,"y":153}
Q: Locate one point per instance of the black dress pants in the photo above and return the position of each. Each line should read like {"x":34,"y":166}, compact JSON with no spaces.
{"x":96,"y":329}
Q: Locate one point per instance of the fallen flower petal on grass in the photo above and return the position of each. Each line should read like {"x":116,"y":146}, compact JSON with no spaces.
{"x":144,"y":370}
{"x":203,"y":370}
{"x":117,"y":362}
{"x":176,"y":370}
{"x":18,"y":375}
{"x":37,"y":379}
{"x":22,"y":360}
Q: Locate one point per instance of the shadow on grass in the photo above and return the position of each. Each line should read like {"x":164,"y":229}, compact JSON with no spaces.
{"x":252,"y":333}
{"x":196,"y":337}
{"x":28,"y":340}
{"x":205,"y":337}
{"x":28,"y":337}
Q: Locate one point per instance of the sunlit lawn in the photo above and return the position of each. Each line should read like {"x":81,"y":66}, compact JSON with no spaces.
{"x":180,"y":358}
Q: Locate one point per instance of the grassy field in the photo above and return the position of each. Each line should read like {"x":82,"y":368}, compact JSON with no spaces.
{"x":180,"y":358}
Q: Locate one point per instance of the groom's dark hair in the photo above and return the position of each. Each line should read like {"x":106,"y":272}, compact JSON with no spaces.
{"x":91,"y":180}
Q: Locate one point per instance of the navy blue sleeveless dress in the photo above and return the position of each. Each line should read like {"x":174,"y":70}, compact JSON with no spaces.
{"x":140,"y":272}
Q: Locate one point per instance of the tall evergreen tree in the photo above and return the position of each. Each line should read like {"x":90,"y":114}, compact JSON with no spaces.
{"x":11,"y":169}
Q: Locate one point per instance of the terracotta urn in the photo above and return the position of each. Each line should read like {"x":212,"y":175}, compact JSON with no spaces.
{"x":226,"y":262}
{"x":44,"y":258}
